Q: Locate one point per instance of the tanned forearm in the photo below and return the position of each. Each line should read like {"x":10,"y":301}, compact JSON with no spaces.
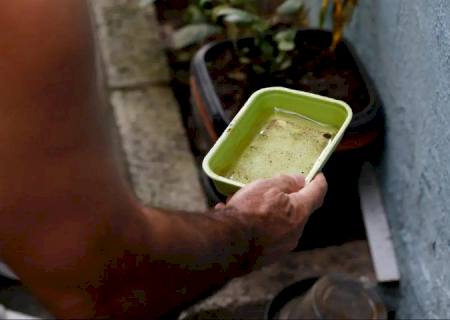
{"x":174,"y":259}
{"x":70,"y":227}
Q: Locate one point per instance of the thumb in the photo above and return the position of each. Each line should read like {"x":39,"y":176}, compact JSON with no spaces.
{"x":312,"y":195}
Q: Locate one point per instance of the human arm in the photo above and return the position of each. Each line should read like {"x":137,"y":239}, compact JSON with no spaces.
{"x":70,"y":227}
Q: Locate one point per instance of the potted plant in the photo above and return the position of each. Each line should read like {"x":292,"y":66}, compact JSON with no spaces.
{"x":268,"y":45}
{"x":224,"y":74}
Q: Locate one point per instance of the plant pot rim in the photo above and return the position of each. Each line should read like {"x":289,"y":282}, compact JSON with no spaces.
{"x":286,"y":294}
{"x":200,"y":71}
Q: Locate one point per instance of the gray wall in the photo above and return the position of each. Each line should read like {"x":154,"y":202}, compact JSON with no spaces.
{"x":405,"y":45}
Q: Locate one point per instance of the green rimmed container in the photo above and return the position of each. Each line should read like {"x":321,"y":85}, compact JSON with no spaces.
{"x":254,"y":115}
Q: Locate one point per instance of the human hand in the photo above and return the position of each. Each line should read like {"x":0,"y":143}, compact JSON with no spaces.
{"x":278,"y":210}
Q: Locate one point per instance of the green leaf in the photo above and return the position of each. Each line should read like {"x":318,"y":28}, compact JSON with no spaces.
{"x":286,"y":46}
{"x":205,"y":4}
{"x":286,"y":35}
{"x":267,"y":50}
{"x":258,"y":69}
{"x":261,"y":27}
{"x":194,"y":34}
{"x":286,"y":39}
{"x":235,"y":16}
{"x":282,"y":62}
{"x":195,"y":15}
{"x":286,"y":64}
{"x":244,"y":60}
{"x":290,"y":7}
{"x":280,"y":58}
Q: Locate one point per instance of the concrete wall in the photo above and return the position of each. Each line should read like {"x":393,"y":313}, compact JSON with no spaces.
{"x":405,"y":45}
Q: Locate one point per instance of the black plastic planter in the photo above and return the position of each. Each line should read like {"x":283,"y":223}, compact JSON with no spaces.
{"x":340,"y":217}
{"x":363,"y":130}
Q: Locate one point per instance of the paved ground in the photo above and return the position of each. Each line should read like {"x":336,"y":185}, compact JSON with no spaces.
{"x":248,"y":297}
{"x":157,"y":154}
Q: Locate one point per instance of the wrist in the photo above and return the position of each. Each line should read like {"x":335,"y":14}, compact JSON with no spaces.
{"x":244,"y":237}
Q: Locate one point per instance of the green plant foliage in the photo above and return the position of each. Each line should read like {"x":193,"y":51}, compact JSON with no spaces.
{"x":205,"y":4}
{"x":195,"y":15}
{"x":235,"y":16}
{"x":272,"y":23}
{"x":286,"y":39}
{"x":194,"y":34}
{"x":290,"y":7}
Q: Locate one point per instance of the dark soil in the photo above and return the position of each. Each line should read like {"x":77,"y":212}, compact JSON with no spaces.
{"x":171,"y":12}
{"x":315,"y":69}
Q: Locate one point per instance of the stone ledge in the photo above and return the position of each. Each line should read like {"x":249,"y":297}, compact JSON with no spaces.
{"x":162,"y":168}
{"x":158,"y":157}
{"x":130,"y":43}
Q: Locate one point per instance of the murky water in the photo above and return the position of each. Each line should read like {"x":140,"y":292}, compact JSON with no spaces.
{"x":288,"y":144}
